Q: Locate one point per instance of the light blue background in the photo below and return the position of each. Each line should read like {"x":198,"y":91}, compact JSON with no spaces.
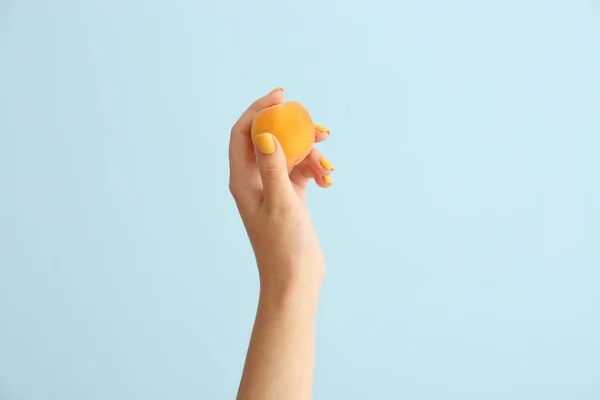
{"x":462,"y":232}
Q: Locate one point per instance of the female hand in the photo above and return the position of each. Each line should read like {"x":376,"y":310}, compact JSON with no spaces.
{"x":272,"y":202}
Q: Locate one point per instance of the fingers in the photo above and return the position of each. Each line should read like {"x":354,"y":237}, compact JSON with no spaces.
{"x":321,"y":133}
{"x":313,"y":166}
{"x":272,"y":177}
{"x":241,"y":152}
{"x":277,"y":188}
{"x":300,"y":175}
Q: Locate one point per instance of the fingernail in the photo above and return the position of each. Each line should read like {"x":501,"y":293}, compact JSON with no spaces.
{"x":326,"y":164}
{"x":277,"y":89}
{"x":327,"y":180}
{"x":321,"y":128}
{"x":265,"y":143}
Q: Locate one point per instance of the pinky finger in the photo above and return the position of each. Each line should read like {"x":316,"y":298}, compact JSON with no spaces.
{"x":323,"y":181}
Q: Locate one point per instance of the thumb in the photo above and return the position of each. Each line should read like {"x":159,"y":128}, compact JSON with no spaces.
{"x":272,"y":166}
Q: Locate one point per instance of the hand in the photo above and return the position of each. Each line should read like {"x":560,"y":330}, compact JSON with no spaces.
{"x":272,"y":202}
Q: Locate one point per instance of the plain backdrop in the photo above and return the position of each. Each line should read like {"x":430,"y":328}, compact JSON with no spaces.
{"x":462,"y":232}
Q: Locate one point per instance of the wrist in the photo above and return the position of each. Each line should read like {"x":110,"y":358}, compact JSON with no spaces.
{"x":290,"y":292}
{"x":288,"y":280}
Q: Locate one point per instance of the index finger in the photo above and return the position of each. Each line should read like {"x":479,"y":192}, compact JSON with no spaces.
{"x":241,"y":150}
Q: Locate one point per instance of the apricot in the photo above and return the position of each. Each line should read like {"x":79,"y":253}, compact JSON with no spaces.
{"x":292,"y":125}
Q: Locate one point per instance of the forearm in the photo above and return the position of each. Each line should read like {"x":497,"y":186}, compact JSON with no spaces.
{"x":280,"y":359}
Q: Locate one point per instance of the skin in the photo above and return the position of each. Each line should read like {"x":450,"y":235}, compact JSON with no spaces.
{"x":272,"y":203}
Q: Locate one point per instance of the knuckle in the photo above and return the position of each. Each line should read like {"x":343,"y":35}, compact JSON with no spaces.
{"x":234,"y":189}
{"x":270,"y":172}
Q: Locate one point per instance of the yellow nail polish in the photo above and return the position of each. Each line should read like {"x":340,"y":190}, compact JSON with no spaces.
{"x":265,"y":143}
{"x":321,"y":128}
{"x":326,"y":164}
{"x":277,"y":89}
{"x":327,"y":180}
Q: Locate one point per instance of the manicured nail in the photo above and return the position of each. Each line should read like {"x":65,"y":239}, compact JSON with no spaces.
{"x":321,"y":128}
{"x":277,"y":89}
{"x":327,"y":180}
{"x":265,"y":143}
{"x":326,"y":164}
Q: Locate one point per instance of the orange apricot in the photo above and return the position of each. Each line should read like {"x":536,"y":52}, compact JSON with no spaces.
{"x":292,"y":125}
